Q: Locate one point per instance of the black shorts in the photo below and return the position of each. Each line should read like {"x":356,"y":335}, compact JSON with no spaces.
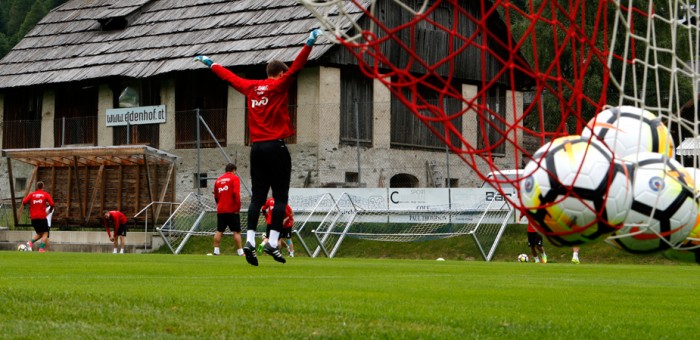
{"x":41,"y":225}
{"x":534,"y":239}
{"x":286,"y":232}
{"x":230,"y":220}
{"x":122,"y":231}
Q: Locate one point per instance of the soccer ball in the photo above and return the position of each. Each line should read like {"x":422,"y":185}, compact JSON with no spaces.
{"x":627,"y":130}
{"x":693,"y":238}
{"x":694,"y":235}
{"x":664,"y":210}
{"x":22,"y":247}
{"x":523,"y":258}
{"x":575,"y":191}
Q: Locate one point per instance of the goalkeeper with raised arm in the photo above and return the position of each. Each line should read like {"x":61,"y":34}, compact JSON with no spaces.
{"x":269,"y":124}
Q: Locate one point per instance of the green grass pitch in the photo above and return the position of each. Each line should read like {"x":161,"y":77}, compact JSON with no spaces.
{"x":80,"y":295}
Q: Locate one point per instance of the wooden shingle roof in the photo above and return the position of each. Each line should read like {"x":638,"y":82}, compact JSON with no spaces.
{"x":83,"y":40}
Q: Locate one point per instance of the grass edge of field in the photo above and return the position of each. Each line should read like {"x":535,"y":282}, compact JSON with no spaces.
{"x":462,"y":248}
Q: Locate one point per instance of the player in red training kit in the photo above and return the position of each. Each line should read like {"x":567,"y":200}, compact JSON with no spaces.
{"x":269,"y":124}
{"x":119,"y":228}
{"x":227,"y":194}
{"x":287,"y":225}
{"x":534,"y":241}
{"x":38,"y":201}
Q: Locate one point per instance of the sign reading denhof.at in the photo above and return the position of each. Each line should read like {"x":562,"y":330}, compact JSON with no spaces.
{"x":136,"y":115}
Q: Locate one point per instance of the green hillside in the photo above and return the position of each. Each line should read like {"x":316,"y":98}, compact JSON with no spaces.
{"x":17,"y":17}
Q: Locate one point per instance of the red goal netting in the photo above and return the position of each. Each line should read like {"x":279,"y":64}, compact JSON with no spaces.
{"x":498,"y":80}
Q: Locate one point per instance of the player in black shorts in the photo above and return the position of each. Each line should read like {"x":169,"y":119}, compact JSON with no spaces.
{"x":230,"y":220}
{"x":534,"y":241}
{"x":227,"y":194}
{"x":40,"y":202}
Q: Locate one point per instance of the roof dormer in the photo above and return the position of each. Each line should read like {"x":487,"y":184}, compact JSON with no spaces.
{"x":118,"y":15}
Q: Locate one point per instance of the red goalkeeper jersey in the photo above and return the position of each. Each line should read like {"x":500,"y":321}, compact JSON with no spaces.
{"x":227,"y":193}
{"x":38,"y":201}
{"x":268,"y":112}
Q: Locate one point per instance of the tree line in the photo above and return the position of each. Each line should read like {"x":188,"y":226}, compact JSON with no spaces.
{"x":18,"y":17}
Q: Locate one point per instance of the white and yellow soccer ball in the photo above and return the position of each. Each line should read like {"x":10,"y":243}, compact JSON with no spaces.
{"x":664,"y":210}
{"x":575,"y":191}
{"x":22,"y":247}
{"x":693,"y":238}
{"x":628,"y":130}
{"x":523,"y":258}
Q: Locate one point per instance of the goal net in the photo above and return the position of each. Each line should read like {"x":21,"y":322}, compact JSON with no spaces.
{"x":513,"y":77}
{"x":345,"y":218}
{"x":196,"y":216}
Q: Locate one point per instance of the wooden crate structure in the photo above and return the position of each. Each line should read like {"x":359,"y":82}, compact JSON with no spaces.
{"x":84,"y":181}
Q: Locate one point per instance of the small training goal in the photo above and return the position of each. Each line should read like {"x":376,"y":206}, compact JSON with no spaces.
{"x":334,"y":219}
{"x":321,"y":227}
{"x":194,"y":216}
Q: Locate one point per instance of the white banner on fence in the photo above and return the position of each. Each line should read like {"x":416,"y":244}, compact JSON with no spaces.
{"x":321,"y":201}
{"x":478,"y":198}
{"x":423,"y":200}
{"x":481,"y":198}
{"x":136,"y":115}
{"x":418,"y":198}
{"x":307,"y":199}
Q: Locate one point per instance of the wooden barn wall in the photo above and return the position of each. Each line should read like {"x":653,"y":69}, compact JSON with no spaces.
{"x":432,"y":44}
{"x":123,"y":188}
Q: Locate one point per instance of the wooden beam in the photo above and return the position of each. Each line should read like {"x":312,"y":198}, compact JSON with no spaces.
{"x":96,"y":188}
{"x":150,"y":188}
{"x":110,"y":159}
{"x":61,"y":161}
{"x":86,"y":183}
{"x":70,"y":191}
{"x":102,"y":193}
{"x":53,"y":186}
{"x":121,"y":188}
{"x":127,"y":160}
{"x":77,"y":187}
{"x":12,"y":191}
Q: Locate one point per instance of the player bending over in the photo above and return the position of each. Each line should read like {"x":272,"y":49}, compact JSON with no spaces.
{"x":119,"y":228}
